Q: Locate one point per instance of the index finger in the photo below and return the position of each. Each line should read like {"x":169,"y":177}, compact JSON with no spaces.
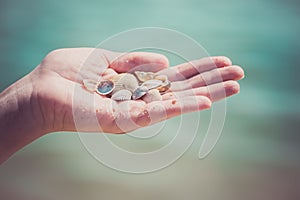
{"x":142,"y":61}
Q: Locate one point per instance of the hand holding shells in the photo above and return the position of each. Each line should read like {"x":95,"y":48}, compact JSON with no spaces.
{"x":137,"y":87}
{"x":131,"y":86}
{"x":184,"y":88}
{"x":96,"y":90}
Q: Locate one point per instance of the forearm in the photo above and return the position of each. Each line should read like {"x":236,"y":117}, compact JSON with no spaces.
{"x":19,"y":125}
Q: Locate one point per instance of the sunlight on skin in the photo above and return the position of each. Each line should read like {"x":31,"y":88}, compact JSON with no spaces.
{"x":42,"y":101}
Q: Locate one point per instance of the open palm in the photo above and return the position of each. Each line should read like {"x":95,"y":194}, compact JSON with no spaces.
{"x":66,"y":106}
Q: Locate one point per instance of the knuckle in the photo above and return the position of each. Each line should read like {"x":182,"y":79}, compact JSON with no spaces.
{"x":53,"y":55}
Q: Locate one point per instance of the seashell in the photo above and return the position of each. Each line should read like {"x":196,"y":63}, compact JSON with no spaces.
{"x":164,"y":87}
{"x":125,"y":81}
{"x":144,"y":76}
{"x":122,"y":95}
{"x":105,"y":87}
{"x":151,"y":84}
{"x":152,"y":95}
{"x":90,"y":85}
{"x":139,"y":92}
{"x":161,"y":77}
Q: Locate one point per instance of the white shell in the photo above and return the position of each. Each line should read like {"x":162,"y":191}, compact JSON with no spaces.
{"x":161,"y":77}
{"x":152,"y":95}
{"x":151,"y":84}
{"x":121,"y":95}
{"x":90,"y":85}
{"x":144,"y":76}
{"x":125,"y":81}
{"x":139,"y":92}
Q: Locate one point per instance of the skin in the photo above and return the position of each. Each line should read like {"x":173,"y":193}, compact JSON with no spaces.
{"x":46,"y":99}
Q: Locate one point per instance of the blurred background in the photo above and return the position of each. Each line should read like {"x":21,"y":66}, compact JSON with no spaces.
{"x":258,"y":154}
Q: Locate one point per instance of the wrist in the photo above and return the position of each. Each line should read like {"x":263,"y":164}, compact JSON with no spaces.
{"x":20,"y":119}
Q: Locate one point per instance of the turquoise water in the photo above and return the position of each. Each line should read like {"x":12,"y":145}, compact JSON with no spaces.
{"x":258,"y":153}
